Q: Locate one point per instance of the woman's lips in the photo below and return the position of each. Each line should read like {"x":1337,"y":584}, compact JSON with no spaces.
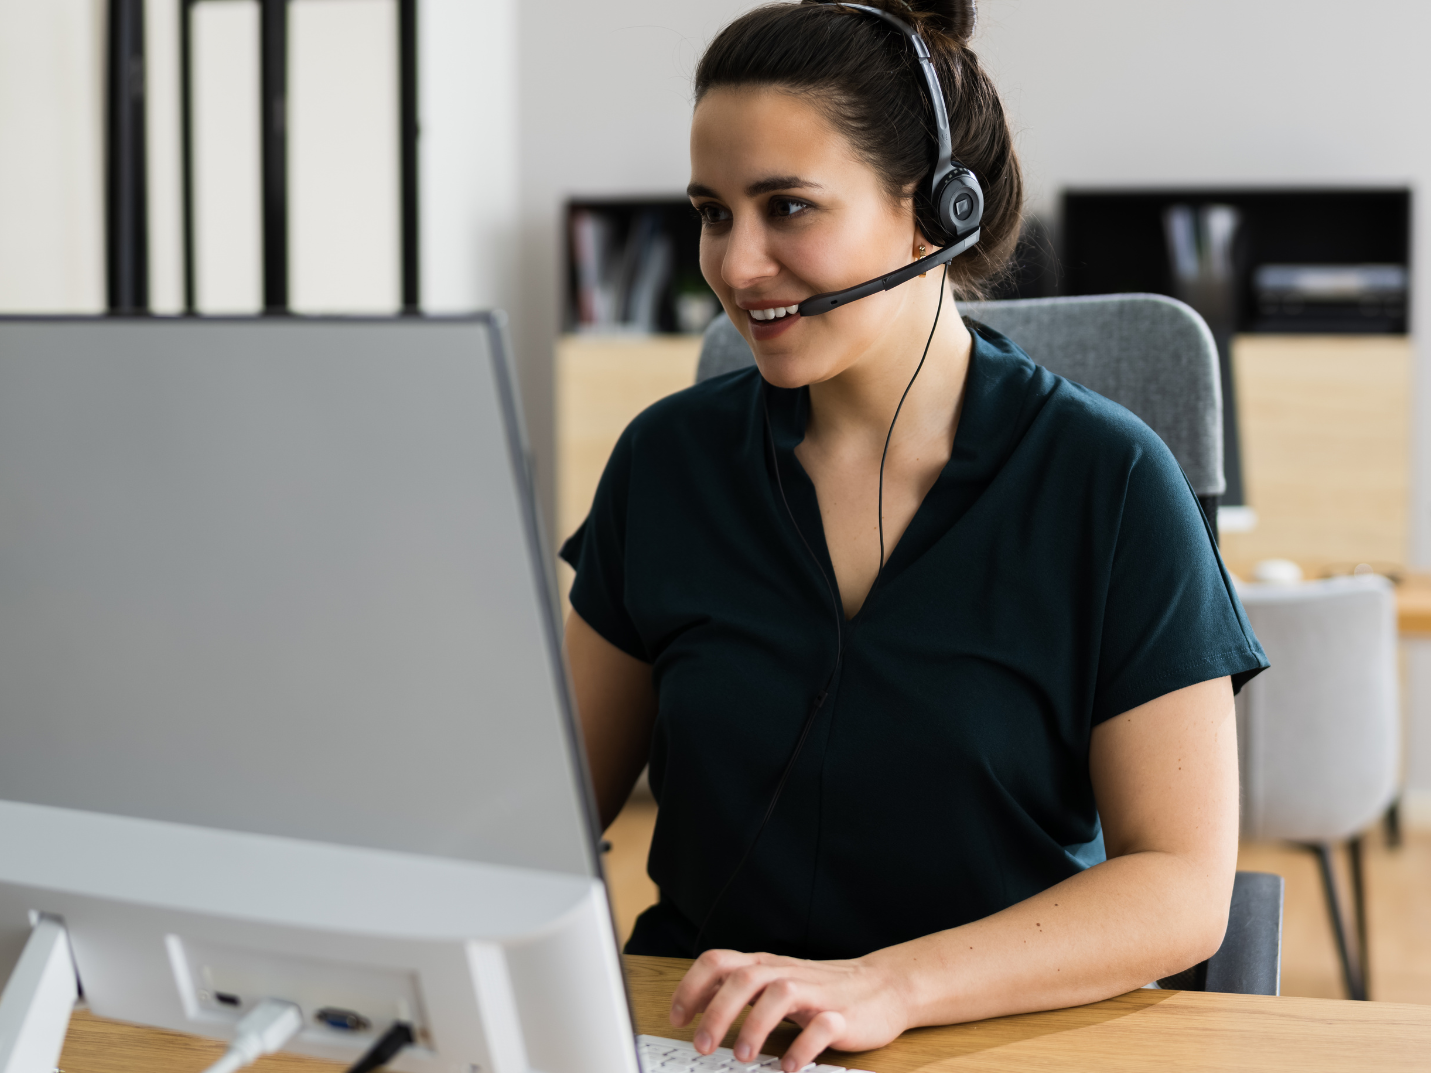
{"x":769,"y":329}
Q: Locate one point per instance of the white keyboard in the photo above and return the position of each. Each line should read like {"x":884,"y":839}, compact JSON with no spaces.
{"x":659,"y":1055}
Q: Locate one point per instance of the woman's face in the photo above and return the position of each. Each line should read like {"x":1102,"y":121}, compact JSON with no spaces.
{"x":789,"y":211}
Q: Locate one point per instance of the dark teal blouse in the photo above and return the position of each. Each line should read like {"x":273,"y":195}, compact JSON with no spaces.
{"x":1059,"y":572}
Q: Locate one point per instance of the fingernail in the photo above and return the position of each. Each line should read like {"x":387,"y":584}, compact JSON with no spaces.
{"x":678,"y":1012}
{"x":742,"y":1051}
{"x":703,"y":1041}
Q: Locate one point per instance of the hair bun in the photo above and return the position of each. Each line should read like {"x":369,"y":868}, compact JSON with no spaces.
{"x":954,"y":18}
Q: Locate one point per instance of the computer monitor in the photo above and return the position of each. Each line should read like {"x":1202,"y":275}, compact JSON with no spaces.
{"x":282,"y":704}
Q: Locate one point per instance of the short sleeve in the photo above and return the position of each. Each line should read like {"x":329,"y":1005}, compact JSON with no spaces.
{"x":1172,"y":617}
{"x":597,"y":551}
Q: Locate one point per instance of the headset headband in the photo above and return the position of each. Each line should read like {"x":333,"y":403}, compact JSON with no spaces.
{"x":944,"y":161}
{"x":953,"y":203}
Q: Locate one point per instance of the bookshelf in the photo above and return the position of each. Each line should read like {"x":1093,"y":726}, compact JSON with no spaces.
{"x":634,"y":266}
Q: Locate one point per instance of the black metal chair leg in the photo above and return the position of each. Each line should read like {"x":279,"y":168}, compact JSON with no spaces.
{"x":1392,"y":822}
{"x":1334,"y":908}
{"x":1354,"y":847}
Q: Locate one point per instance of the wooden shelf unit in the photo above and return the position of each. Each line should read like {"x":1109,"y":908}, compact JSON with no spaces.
{"x":1326,"y":449}
{"x":602,"y":382}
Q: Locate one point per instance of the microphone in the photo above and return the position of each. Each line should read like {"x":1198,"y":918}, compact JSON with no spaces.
{"x":823,"y":303}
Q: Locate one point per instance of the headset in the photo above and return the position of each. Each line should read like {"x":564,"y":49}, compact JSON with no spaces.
{"x":948,"y":213}
{"x":949,"y":210}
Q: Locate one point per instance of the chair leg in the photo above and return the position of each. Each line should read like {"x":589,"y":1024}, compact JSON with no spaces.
{"x":1354,"y":848}
{"x":1334,"y":908}
{"x":1392,"y":822}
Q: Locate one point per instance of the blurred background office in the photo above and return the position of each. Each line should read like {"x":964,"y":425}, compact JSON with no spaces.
{"x":1258,"y":158}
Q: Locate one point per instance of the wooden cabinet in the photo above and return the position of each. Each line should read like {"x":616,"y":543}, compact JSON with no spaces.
{"x":1326,"y":443}
{"x":602,"y":382}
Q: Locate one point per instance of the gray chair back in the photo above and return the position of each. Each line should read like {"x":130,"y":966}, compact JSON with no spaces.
{"x":1249,"y":961}
{"x":1151,"y":354}
{"x":1319,"y":733}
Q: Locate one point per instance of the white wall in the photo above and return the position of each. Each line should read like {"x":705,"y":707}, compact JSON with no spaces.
{"x":605,"y":108}
{"x":469,"y":165}
{"x":51,"y":157}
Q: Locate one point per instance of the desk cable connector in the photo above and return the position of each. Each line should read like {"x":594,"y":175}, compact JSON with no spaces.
{"x":388,"y":1045}
{"x":263,"y":1030}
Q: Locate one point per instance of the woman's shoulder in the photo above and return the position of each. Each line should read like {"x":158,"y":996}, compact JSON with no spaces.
{"x":1062,"y":416}
{"x":1102,"y":425}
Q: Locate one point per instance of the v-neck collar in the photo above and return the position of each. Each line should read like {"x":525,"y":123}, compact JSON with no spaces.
{"x":998,"y":406}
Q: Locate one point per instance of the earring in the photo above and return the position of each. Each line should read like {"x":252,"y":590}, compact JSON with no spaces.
{"x":921,"y":254}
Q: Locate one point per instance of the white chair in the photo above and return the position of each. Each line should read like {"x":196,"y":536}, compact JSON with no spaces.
{"x":1319,"y":734}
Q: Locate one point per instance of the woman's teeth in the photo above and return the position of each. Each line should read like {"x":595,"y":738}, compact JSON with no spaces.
{"x":772,"y":314}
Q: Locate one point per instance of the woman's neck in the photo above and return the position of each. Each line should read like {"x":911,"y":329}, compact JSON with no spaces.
{"x":856,"y":407}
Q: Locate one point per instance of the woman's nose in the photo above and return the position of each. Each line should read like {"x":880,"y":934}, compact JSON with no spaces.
{"x":747,"y":260}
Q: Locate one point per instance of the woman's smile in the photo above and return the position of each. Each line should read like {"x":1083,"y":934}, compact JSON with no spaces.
{"x":767,"y":321}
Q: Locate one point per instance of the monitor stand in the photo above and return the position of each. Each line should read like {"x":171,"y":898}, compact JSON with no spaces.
{"x":38,"y":999}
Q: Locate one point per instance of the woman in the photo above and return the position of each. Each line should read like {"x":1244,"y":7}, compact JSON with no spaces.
{"x":930,"y":651}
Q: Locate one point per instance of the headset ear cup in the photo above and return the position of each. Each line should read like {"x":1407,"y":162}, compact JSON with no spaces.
{"x":959,"y":202}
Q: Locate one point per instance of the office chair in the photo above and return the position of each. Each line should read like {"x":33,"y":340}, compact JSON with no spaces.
{"x":1319,"y":733}
{"x":1149,"y":353}
{"x":1157,"y":357}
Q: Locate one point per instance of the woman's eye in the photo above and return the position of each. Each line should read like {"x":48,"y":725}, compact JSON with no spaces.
{"x":785,"y":207}
{"x":711,"y":213}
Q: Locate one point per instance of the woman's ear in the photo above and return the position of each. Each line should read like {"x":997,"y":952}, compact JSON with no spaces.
{"x":921,"y":240}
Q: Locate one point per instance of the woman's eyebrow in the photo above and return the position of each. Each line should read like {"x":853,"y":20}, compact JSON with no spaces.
{"x":779,"y":182}
{"x":763,"y":186}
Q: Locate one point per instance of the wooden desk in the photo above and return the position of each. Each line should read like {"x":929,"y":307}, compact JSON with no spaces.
{"x":1159,"y":1031}
{"x":1166,"y":1031}
{"x":1413,"y":604}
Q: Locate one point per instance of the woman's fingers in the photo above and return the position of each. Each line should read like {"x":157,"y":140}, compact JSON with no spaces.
{"x":777,"y":1000}
{"x":739,"y":990}
{"x":702,"y":981}
{"x":836,"y":1002}
{"x":823,"y":1030}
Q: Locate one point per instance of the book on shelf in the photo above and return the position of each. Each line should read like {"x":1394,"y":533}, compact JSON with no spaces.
{"x":634,"y":267}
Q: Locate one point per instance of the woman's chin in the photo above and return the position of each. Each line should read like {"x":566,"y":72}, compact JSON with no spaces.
{"x":791,"y":367}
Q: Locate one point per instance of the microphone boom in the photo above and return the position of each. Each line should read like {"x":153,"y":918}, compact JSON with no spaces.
{"x":823,"y":303}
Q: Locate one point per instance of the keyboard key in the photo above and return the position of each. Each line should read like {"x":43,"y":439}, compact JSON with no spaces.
{"x":661,"y":1055}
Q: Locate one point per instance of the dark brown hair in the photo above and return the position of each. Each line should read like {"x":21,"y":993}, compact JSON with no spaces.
{"x":862,"y":74}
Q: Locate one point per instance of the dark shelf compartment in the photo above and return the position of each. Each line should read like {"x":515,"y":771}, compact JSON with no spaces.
{"x":673,"y":218}
{"x":1114,"y":241}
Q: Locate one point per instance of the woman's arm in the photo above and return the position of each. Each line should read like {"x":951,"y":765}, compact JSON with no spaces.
{"x":616,"y":703}
{"x":1165,"y":778}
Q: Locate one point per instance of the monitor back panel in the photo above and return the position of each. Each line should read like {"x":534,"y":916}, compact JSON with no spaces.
{"x":281,"y":576}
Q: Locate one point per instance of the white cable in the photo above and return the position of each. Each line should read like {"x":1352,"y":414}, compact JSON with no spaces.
{"x":263,"y":1030}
